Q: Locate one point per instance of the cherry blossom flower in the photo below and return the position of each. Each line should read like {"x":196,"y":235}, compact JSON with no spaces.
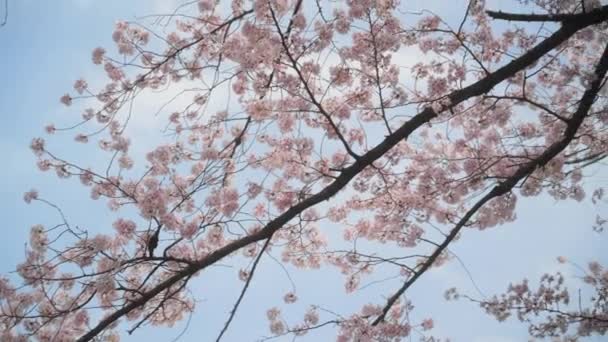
{"x":290,"y":298}
{"x":80,"y":86}
{"x":98,"y":55}
{"x":37,"y":146}
{"x":66,"y":100}
{"x":30,"y":195}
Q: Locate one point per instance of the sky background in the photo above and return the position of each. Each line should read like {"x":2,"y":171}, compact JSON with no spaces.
{"x":46,"y":45}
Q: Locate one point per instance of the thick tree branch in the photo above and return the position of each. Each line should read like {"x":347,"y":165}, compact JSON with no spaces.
{"x":478,"y":88}
{"x":564,"y":18}
{"x":508,"y":184}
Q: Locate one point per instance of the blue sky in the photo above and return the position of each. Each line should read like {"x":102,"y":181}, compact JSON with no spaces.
{"x":47,"y":45}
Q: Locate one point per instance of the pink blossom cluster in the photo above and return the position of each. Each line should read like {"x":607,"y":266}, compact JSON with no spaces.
{"x":315,"y":130}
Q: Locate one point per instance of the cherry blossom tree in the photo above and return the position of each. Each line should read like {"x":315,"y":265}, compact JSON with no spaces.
{"x":544,"y":309}
{"x":304,"y":117}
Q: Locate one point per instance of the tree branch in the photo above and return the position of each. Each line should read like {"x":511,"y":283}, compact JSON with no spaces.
{"x":238,"y":301}
{"x":564,"y":18}
{"x":507,"y":185}
{"x":478,"y":88}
